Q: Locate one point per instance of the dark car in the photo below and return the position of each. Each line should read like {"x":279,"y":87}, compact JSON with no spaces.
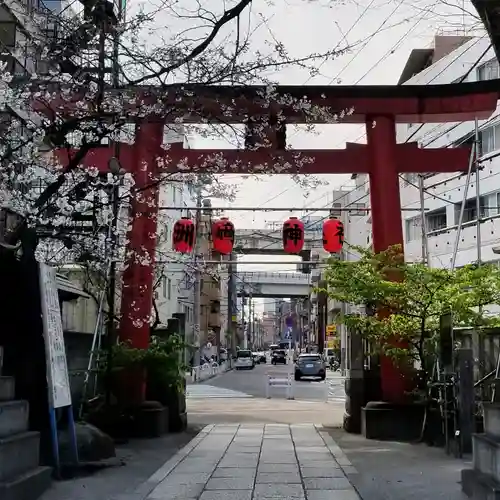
{"x":310,"y":365}
{"x":278,"y":357}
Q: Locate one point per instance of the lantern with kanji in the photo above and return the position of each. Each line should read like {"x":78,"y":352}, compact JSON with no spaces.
{"x":183,"y":235}
{"x":333,"y":235}
{"x":223,"y":236}
{"x":293,"y":235}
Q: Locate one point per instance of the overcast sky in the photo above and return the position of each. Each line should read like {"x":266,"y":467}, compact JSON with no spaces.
{"x":380,"y":34}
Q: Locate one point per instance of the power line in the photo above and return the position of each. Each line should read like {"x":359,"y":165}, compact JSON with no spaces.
{"x":462,"y":79}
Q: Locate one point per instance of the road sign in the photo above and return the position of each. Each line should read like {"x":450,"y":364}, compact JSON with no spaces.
{"x":331,"y":329}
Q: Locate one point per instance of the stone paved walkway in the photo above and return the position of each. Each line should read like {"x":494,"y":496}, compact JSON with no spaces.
{"x":254,"y":462}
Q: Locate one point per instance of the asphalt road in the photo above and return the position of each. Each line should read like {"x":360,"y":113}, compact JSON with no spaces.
{"x":252,"y":383}
{"x":240,"y":397}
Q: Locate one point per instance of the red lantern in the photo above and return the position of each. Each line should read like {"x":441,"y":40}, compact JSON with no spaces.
{"x":223,"y":236}
{"x":293,"y":235}
{"x":333,"y":235}
{"x":183,"y":235}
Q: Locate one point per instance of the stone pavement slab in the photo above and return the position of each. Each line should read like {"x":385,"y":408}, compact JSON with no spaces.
{"x":254,"y":462}
{"x":383,"y":470}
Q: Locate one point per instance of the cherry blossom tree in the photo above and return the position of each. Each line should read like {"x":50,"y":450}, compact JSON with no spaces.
{"x":81,"y":99}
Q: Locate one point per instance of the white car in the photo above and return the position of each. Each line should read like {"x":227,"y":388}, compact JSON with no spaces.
{"x":244,"y":360}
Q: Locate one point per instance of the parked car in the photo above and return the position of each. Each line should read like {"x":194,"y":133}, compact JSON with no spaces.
{"x":278,"y":356}
{"x":310,"y":365}
{"x":262,"y":357}
{"x":244,"y":360}
{"x":256,"y":358}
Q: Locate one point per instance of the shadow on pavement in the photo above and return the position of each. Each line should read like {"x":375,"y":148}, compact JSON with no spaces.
{"x":401,"y":471}
{"x":140,"y":458}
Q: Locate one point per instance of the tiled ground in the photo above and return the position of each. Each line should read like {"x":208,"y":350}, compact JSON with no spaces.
{"x":254,"y":462}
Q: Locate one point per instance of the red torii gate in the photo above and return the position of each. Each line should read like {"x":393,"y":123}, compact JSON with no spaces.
{"x":378,"y":107}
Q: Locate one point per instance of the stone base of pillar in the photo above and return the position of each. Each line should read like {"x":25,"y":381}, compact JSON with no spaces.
{"x":149,"y":420}
{"x":392,"y":422}
{"x":479,"y":486}
{"x":354,"y":402}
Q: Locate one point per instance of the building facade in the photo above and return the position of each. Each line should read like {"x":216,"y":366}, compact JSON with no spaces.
{"x":174,"y":285}
{"x":447,"y":240}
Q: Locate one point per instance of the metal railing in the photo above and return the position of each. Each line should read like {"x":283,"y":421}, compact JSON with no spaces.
{"x":207,"y":371}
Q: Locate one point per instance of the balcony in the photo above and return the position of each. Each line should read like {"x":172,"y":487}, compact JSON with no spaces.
{"x":214,"y":320}
{"x":211,"y":289}
{"x":334,"y":305}
{"x":23,"y":13}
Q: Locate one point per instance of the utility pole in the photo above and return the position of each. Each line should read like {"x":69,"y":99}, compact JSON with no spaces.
{"x":423,"y":222}
{"x":478,"y":194}
{"x":321,"y":320}
{"x":243,"y":329}
{"x":114,"y":194}
{"x":251,"y":320}
{"x":197,"y":280}
{"x":230,"y":306}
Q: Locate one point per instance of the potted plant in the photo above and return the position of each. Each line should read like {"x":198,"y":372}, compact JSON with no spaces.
{"x":165,"y":380}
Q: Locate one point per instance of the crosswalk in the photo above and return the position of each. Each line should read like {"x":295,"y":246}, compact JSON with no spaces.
{"x":205,"y":391}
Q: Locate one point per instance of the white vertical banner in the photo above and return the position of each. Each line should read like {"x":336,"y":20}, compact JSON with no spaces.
{"x":55,"y":352}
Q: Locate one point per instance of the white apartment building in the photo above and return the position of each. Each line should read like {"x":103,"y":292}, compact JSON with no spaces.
{"x":444,"y":193}
{"x":174,"y":274}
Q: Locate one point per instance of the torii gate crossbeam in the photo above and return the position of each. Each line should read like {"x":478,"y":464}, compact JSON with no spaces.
{"x":378,"y":107}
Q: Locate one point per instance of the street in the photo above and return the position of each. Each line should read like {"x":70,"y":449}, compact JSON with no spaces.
{"x":252,"y":383}
{"x":240,"y":396}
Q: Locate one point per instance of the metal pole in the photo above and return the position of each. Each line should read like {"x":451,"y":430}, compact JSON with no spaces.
{"x":250,"y":320}
{"x":278,"y":209}
{"x":243,"y":329}
{"x":254,"y":262}
{"x":97,"y":333}
{"x":230,"y":307}
{"x":478,"y":194}
{"x":197,"y":281}
{"x":115,"y":168}
{"x":462,"y":208}
{"x":111,"y":330}
{"x":423,"y":223}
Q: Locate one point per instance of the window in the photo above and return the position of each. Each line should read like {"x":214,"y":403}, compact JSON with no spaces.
{"x":164,"y":286}
{"x":492,"y":204}
{"x":489,"y":70}
{"x":489,"y":139}
{"x":215,"y":307}
{"x":359,"y":209}
{"x":169,"y":288}
{"x":8,"y":34}
{"x":436,"y":219}
{"x":413,"y":228}
{"x":336,"y":210}
{"x":470,"y":212}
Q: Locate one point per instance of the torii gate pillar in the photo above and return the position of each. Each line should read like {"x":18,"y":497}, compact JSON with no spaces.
{"x":387,"y":228}
{"x":138,"y":275}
